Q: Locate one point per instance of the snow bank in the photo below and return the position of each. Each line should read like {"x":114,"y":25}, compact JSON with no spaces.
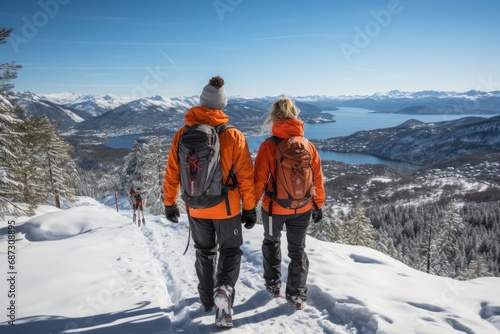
{"x":67,"y":223}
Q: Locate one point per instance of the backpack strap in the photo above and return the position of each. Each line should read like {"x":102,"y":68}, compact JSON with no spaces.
{"x":231,"y":182}
{"x":276,"y":141}
{"x":222,"y":127}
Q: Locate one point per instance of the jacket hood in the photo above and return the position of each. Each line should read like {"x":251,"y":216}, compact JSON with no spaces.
{"x":205,"y":115}
{"x":287,"y":128}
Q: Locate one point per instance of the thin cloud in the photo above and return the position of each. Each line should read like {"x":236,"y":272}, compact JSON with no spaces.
{"x":94,"y":74}
{"x":95,"y":18}
{"x":171,"y":61}
{"x":79,"y":68}
{"x":300,"y":36}
{"x":365,"y":69}
{"x":117,"y":43}
{"x":117,"y":18}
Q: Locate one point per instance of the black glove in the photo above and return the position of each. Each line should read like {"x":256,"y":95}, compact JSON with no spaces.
{"x":248,"y":217}
{"x":317,"y":215}
{"x":172,"y":213}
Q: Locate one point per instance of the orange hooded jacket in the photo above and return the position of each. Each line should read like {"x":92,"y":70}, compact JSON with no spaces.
{"x":265,"y":167}
{"x":234,"y":154}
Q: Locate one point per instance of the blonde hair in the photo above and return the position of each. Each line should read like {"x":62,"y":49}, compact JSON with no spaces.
{"x":282,"y":109}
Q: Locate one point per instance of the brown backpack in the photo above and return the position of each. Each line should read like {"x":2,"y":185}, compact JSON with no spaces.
{"x":293,"y":182}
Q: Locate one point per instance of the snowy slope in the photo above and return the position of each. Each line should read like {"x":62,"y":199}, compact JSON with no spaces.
{"x":88,"y":269}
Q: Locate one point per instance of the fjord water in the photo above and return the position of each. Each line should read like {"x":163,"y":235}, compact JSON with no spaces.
{"x":348,"y":121}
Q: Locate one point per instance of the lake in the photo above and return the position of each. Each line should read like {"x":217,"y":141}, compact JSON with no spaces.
{"x":348,"y":121}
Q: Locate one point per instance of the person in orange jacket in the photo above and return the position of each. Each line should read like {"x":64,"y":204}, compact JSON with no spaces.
{"x":284,"y":122}
{"x":213,"y":226}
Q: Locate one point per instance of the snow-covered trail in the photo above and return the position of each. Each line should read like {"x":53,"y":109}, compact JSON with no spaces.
{"x":254,"y":309}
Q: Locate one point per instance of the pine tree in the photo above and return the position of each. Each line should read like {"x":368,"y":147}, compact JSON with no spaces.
{"x":45,"y":166}
{"x":329,"y":228}
{"x":9,"y":139}
{"x":60,"y":170}
{"x":358,"y":230}
{"x":447,"y":263}
{"x":8,"y":71}
{"x":384,"y":244}
{"x":478,"y":267}
{"x":153,"y":172}
{"x":427,"y":239}
{"x":10,"y":143}
{"x":29,"y":168}
{"x":132,"y":168}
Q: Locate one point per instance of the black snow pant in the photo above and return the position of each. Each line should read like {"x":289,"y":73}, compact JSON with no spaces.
{"x":208,"y":235}
{"x":296,"y":228}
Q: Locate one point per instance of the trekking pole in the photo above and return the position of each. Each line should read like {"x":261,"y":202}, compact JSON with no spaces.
{"x":189,"y":232}
{"x":189,"y":237}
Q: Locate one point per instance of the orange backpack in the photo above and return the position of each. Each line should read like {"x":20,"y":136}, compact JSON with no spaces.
{"x":293,"y":182}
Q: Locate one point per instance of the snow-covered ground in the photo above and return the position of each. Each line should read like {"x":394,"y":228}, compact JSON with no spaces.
{"x":88,"y":269}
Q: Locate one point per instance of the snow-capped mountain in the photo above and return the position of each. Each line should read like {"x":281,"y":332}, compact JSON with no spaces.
{"x":157,"y":104}
{"x":119,"y":115}
{"x":35,"y":106}
{"x":94,"y":105}
{"x":152,"y":114}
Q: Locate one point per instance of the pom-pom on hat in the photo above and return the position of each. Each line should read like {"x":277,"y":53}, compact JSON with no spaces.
{"x":213,"y":95}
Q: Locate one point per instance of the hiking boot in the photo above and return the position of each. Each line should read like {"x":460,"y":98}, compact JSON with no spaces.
{"x":223,"y":300}
{"x":275,"y":292}
{"x":274,"y":289}
{"x":298,"y":303}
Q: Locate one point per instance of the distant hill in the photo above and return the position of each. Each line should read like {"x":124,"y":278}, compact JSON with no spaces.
{"x":428,"y":102}
{"x":422,"y":143}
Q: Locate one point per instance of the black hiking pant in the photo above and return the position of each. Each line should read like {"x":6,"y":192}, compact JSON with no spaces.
{"x":298,"y":269}
{"x":208,"y":235}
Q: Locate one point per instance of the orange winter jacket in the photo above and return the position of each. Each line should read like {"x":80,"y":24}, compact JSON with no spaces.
{"x":265,"y":167}
{"x":234,"y":154}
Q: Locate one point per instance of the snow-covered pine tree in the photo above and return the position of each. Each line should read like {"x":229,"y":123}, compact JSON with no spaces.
{"x":447,"y":261}
{"x":132,"y":167}
{"x":10,"y":143}
{"x":358,"y":229}
{"x":29,"y":167}
{"x":153,"y":171}
{"x":61,"y":174}
{"x":427,"y":238}
{"x":384,"y":244}
{"x":9,"y":138}
{"x":478,"y":267}
{"x":45,"y":165}
{"x":329,"y":228}
{"x":8,"y":71}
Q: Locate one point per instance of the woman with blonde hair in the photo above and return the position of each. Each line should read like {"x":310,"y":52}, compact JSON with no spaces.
{"x":278,"y":211}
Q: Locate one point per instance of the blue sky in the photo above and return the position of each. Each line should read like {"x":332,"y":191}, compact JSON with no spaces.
{"x":260,"y":48}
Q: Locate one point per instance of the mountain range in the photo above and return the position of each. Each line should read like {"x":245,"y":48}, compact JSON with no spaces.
{"x":422,"y":143}
{"x":116,"y":115}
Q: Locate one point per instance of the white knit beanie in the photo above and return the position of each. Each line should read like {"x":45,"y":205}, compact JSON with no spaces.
{"x":213,"y":95}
